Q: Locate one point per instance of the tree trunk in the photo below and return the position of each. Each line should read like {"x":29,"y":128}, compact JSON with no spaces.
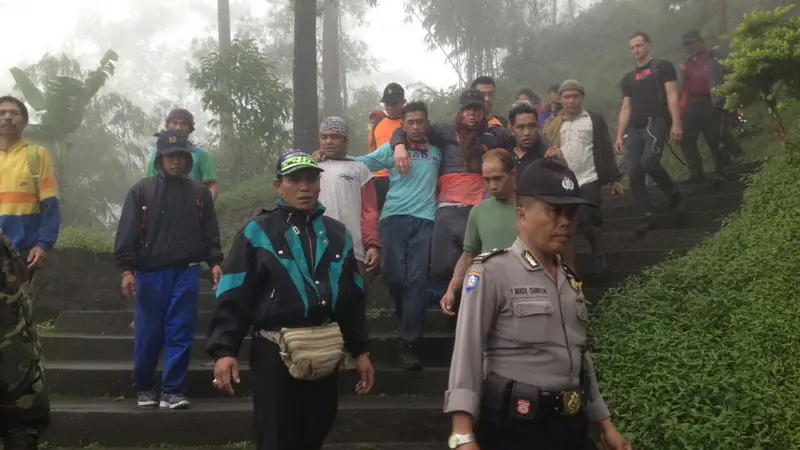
{"x":304,"y":76}
{"x":331,"y":60}
{"x":723,"y":18}
{"x":224,"y":27}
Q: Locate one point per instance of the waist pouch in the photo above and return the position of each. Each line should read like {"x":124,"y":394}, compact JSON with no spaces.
{"x":309,"y":353}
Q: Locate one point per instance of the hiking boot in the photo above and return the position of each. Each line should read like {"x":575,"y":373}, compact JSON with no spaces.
{"x":409,"y":359}
{"x":174,"y":401}
{"x":647,"y":225}
{"x":147,"y":399}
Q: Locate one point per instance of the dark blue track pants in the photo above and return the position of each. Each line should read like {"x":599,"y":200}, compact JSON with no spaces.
{"x":166,"y":314}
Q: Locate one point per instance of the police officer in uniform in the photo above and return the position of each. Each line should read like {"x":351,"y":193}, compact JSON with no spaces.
{"x":293,"y":278}
{"x":520,"y":374}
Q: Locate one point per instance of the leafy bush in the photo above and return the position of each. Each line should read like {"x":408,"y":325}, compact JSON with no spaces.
{"x":89,"y":239}
{"x":767,"y":52}
{"x":702,"y":352}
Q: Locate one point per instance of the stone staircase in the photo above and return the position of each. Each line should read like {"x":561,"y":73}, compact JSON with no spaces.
{"x":89,"y":356}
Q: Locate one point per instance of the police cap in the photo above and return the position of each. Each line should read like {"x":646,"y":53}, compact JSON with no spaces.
{"x":552,"y":182}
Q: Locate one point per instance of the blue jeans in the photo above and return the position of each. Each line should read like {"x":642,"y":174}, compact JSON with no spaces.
{"x":643,"y":148}
{"x":405,"y":258}
{"x":166,"y":314}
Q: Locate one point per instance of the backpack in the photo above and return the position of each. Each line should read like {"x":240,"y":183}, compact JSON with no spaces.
{"x":150,"y":190}
{"x":33,"y":166}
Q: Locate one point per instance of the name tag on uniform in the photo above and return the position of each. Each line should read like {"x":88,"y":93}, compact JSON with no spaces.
{"x":528,"y":292}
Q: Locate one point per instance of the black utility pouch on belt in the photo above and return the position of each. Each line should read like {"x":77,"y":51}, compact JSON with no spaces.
{"x":506,"y":399}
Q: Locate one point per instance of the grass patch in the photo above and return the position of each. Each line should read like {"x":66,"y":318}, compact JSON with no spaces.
{"x":251,"y":193}
{"x":703,"y":351}
{"x":89,"y":239}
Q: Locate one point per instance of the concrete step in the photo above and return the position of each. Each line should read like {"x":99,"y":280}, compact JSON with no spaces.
{"x":105,"y":422}
{"x":691,"y":190}
{"x":113,"y":379}
{"x":726,"y":202}
{"x":706,"y":220}
{"x":381,"y":319}
{"x":435,"y":349}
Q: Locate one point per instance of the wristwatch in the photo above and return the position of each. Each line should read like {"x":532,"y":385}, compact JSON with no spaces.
{"x":457,"y":440}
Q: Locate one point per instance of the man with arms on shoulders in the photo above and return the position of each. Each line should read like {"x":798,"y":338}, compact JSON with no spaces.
{"x":406,"y":226}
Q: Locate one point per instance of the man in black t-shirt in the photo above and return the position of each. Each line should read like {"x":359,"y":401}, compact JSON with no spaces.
{"x":650,"y":114}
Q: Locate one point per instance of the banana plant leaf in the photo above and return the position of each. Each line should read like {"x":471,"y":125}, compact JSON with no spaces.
{"x":65,"y":105}
{"x":97,"y":78}
{"x":32,"y":94}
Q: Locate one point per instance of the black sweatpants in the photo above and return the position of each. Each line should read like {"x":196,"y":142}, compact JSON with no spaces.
{"x":447,"y":241}
{"x":702,"y":117}
{"x":290,"y":414}
{"x":544,"y":433}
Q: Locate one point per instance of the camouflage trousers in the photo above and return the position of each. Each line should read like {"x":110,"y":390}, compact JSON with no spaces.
{"x":24,"y":399}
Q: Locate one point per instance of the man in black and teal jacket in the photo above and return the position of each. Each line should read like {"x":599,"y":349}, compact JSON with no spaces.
{"x":290,"y":267}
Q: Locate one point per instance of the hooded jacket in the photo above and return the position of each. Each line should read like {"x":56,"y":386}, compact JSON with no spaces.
{"x":176,"y":233}
{"x":289,"y":269}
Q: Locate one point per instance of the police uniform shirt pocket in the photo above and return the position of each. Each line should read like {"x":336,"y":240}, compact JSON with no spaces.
{"x":531,"y":320}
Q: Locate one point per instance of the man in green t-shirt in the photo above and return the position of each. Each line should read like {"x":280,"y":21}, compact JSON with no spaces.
{"x":492,"y":224}
{"x":202,"y":171}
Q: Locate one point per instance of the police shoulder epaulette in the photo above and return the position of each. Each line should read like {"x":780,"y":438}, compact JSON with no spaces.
{"x":484,"y":256}
{"x":571,"y":273}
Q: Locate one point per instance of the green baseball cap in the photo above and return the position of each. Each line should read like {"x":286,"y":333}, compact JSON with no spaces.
{"x":295,"y":160}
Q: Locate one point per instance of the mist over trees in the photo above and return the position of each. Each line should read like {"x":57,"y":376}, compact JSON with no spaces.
{"x":261,"y":86}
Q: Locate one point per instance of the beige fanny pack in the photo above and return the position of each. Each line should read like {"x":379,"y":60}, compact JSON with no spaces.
{"x":309,"y":353}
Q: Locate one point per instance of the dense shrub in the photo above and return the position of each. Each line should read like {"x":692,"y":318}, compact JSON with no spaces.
{"x":703,"y":352}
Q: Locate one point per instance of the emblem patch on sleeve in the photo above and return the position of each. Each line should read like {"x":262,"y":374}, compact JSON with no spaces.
{"x":473,"y":278}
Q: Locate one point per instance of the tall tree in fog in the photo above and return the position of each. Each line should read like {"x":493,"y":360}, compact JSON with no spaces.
{"x":224,"y":28}
{"x":333,"y":70}
{"x":304,"y":75}
{"x":472,"y":32}
{"x":331,"y":60}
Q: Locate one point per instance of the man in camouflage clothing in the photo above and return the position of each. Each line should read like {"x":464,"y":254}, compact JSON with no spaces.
{"x":24,"y":402}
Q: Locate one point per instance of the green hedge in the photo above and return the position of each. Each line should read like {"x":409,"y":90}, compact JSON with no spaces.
{"x":703,"y":352}
{"x":89,"y":239}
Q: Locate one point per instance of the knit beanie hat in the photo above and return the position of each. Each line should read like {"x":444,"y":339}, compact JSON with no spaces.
{"x":335,"y":124}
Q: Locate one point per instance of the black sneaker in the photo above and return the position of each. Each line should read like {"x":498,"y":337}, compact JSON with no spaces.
{"x":409,"y":359}
{"x":174,"y":401}
{"x":147,"y":399}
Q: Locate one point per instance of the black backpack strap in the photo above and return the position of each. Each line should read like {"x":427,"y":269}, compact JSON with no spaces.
{"x":198,"y":198}
{"x":148,"y":201}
